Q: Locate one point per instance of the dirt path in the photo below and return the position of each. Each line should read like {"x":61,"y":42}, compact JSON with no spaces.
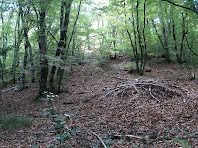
{"x":121,"y":112}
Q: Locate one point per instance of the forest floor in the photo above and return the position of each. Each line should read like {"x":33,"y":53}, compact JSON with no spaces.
{"x":108,"y":104}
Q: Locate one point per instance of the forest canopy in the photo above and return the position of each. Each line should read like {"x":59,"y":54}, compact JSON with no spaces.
{"x":42,"y":39}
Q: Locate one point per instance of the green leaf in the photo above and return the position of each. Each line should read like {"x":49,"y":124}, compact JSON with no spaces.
{"x":184,"y":142}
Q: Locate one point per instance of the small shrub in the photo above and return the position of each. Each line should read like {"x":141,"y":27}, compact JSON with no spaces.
{"x":130,"y":66}
{"x":14,"y":123}
{"x":184,"y":142}
{"x":60,"y":127}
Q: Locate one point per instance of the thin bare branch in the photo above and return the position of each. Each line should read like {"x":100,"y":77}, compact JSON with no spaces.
{"x":187,"y":8}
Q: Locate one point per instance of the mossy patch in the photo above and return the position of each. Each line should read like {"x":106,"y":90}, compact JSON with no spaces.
{"x":14,"y":123}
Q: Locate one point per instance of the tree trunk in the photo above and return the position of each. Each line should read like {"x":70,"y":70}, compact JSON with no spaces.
{"x":32,"y":64}
{"x":18,"y":40}
{"x":43,"y":50}
{"x":134,"y":45}
{"x":182,"y":41}
{"x":60,"y":45}
{"x":114,"y":36}
{"x":142,"y":45}
{"x":157,"y":33}
{"x":60,"y":72}
{"x":64,"y":21}
{"x":4,"y":52}
{"x":144,"y":38}
{"x":174,"y":33}
{"x":140,"y":41}
{"x":2,"y":73}
{"x":165,"y":40}
{"x":27,"y":45}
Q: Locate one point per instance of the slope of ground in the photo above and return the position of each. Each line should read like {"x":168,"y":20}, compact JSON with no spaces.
{"x":106,"y":100}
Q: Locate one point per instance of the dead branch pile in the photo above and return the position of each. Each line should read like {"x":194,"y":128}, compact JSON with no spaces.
{"x":151,"y":88}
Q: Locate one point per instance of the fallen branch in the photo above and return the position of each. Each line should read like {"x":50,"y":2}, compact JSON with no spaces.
{"x":150,"y":92}
{"x":170,"y":71}
{"x":9,"y":89}
{"x":100,"y":140}
{"x":109,"y":93}
{"x":153,"y":88}
{"x":129,"y":136}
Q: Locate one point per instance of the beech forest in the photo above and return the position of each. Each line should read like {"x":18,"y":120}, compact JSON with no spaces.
{"x":98,"y":73}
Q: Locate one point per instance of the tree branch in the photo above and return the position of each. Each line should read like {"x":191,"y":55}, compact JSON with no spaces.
{"x":187,"y":8}
{"x":53,"y":36}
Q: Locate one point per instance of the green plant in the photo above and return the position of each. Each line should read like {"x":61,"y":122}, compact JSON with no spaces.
{"x":183,"y":142}
{"x":14,"y":123}
{"x":59,"y":126}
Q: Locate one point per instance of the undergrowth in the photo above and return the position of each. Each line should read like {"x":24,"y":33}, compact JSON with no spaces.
{"x":63,"y":133}
{"x":14,"y":123}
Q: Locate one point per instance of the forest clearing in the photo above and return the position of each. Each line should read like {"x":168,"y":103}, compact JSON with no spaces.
{"x":98,"y":73}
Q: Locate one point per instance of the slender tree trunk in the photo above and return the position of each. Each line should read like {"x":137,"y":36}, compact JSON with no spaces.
{"x":64,"y":21}
{"x":174,"y":34}
{"x":3,"y":63}
{"x":2,"y":73}
{"x":3,"y":42}
{"x":43,"y":50}
{"x":139,"y":40}
{"x":134,"y":45}
{"x":25,"y":65}
{"x":192,"y":71}
{"x":73,"y":52}
{"x":142,"y":45}
{"x":32,"y":64}
{"x":182,"y":41}
{"x":157,"y":33}
{"x":73,"y":44}
{"x":74,"y":26}
{"x":134,"y":51}
{"x":114,"y":36}
{"x":27,"y":44}
{"x":18,"y":40}
{"x":30,"y":50}
{"x":60,"y":45}
{"x":144,"y":38}
{"x":165,"y":40}
{"x":60,"y":72}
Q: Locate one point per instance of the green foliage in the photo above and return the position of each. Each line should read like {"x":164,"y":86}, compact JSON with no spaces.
{"x":59,"y":126}
{"x":184,"y":142}
{"x":101,"y":29}
{"x":14,"y":123}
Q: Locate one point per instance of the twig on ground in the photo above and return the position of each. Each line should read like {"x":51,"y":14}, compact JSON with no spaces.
{"x":108,"y":93}
{"x":150,"y":92}
{"x":129,"y":136}
{"x":171,"y":71}
{"x":100,"y":140}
